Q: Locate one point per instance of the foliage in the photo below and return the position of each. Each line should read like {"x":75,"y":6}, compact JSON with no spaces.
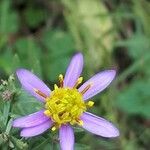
{"x":134,"y":100}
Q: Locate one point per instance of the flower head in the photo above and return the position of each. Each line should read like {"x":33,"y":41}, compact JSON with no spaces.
{"x":66,"y":105}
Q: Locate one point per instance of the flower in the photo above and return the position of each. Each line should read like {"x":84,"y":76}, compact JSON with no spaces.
{"x":66,"y":105}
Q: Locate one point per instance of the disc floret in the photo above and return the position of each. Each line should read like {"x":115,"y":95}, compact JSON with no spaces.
{"x":65,"y":105}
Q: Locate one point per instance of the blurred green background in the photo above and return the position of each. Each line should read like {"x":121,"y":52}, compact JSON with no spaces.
{"x":42,"y":36}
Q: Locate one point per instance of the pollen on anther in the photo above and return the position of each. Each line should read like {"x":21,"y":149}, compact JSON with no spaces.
{"x":80,"y":122}
{"x":61,"y":80}
{"x":53,"y":128}
{"x":55,"y":86}
{"x":61,"y":77}
{"x":90,"y":103}
{"x":86,"y":89}
{"x":40,"y":93}
{"x":79,"y":81}
{"x":47,"y":112}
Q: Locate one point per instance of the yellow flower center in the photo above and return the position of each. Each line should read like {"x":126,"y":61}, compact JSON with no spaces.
{"x":66,"y":105}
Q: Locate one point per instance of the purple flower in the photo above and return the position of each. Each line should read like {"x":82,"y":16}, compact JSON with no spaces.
{"x":66,"y":105}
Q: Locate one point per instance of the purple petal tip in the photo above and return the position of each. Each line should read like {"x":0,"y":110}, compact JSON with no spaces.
{"x":100,"y":81}
{"x":99,"y":126}
{"x":113,"y":72}
{"x":29,"y":82}
{"x":74,"y":70}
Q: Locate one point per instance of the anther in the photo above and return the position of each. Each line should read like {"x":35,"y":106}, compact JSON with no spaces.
{"x":90,"y":103}
{"x":86,"y":89}
{"x":53,"y":128}
{"x":47,"y":113}
{"x":40,"y":93}
{"x":79,"y":81}
{"x":80,"y":122}
{"x":61,"y":80}
{"x":55,"y":86}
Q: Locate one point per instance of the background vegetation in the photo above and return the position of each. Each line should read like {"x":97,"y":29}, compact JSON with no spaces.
{"x":42,"y":36}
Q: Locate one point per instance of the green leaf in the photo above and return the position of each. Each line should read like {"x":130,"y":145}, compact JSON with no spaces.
{"x":9,"y":125}
{"x":60,"y":47}
{"x":6,"y":112}
{"x":142,"y":9}
{"x":92,"y":30}
{"x":8,"y":18}
{"x":25,"y":99}
{"x":139,"y":43}
{"x":6,"y":60}
{"x":29,"y":54}
{"x":78,"y":129}
{"x":135,"y":99}
{"x":42,"y":144}
{"x":58,"y":42}
{"x":19,"y":143}
{"x":81,"y":147}
{"x":34,"y":16}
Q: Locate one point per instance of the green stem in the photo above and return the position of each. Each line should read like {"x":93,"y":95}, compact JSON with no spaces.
{"x":40,"y":146}
{"x":6,"y":113}
{"x":8,"y":128}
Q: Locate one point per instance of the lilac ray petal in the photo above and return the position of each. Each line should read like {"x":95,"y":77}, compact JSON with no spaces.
{"x":33,"y":131}
{"x":74,"y":70}
{"x":66,"y":136}
{"x":99,"y":126}
{"x":30,"y":82}
{"x":30,"y":120}
{"x":98,"y":83}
